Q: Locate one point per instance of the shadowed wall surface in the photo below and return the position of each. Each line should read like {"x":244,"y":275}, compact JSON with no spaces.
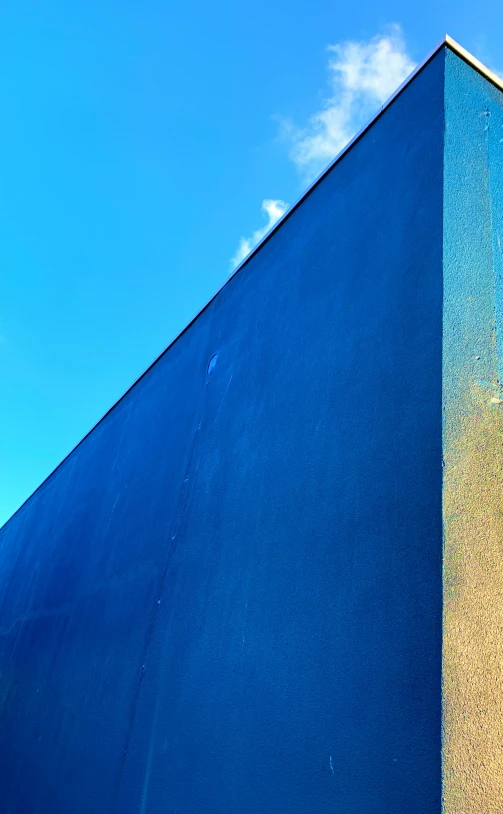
{"x":228,"y":598}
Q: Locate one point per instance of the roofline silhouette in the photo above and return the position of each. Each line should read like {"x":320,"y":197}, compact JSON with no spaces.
{"x":446,"y":41}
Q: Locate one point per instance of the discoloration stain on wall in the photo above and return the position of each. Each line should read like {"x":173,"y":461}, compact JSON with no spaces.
{"x":473,"y":608}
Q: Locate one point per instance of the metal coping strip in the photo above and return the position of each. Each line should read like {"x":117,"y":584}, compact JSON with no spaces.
{"x":445,"y":41}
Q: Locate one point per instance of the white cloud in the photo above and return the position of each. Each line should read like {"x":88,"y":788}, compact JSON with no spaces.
{"x":361,"y":76}
{"x":273,"y":210}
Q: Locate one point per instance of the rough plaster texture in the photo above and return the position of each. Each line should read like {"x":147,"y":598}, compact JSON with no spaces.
{"x":229,"y":597}
{"x":473,"y":451}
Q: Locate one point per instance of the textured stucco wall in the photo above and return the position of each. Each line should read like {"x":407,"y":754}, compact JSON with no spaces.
{"x":228,"y":598}
{"x":473,"y":444}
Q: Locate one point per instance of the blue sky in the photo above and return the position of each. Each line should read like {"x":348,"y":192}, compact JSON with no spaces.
{"x":145,"y":146}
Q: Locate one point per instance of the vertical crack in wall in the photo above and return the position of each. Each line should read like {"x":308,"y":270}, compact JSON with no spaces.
{"x":181,"y":508}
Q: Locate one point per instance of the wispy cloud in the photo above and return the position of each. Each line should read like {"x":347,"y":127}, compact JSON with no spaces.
{"x":273,"y":210}
{"x":361,"y":76}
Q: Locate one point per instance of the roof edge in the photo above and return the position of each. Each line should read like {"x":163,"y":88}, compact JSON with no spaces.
{"x":474,"y":62}
{"x":446,"y":41}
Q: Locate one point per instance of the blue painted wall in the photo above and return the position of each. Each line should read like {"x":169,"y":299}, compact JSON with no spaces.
{"x":228,"y":598}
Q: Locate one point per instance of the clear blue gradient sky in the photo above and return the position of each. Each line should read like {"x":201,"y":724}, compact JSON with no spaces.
{"x":138,"y":144}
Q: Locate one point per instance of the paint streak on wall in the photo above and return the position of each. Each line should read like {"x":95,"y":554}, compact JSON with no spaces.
{"x":472,"y":447}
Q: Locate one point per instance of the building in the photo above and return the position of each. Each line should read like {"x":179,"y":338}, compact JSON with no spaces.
{"x":272,"y":575}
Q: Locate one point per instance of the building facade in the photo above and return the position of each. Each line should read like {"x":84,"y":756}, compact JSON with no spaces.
{"x":271,"y":578}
